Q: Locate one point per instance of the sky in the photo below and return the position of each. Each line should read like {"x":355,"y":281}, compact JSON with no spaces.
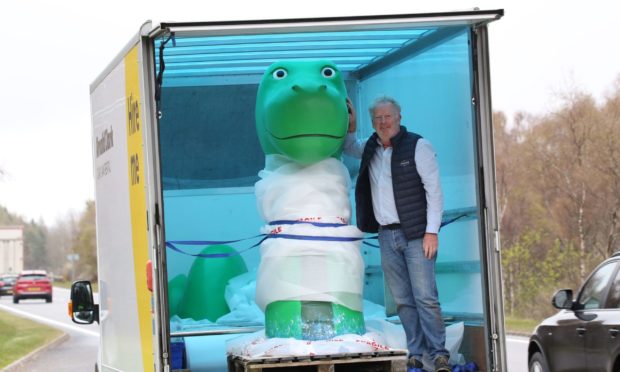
{"x":53,"y":50}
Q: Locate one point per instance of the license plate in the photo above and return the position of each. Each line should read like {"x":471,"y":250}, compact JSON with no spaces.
{"x":34,"y":289}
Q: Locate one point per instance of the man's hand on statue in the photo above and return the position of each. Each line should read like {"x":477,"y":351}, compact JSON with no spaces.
{"x":430,"y":244}
{"x":352,"y":117}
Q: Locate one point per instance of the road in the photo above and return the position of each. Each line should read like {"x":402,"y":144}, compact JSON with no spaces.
{"x":77,"y":354}
{"x":516,"y":350}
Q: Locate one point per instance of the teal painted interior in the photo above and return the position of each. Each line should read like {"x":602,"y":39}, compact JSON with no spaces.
{"x":210,"y":156}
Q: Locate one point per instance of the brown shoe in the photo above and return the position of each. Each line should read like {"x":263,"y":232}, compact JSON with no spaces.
{"x":414,"y":363}
{"x":442,"y":365}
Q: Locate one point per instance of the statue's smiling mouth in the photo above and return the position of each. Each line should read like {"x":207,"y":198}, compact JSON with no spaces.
{"x":306,"y":135}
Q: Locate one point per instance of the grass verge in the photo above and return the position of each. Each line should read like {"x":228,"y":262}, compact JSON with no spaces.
{"x":520,"y":325}
{"x":20,"y":336}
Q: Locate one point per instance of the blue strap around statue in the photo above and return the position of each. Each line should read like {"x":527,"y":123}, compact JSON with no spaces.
{"x":172,"y":244}
{"x":313,"y":223}
{"x":447,"y":222}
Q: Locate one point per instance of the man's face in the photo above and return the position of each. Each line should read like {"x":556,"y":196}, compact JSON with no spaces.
{"x":386,"y":122}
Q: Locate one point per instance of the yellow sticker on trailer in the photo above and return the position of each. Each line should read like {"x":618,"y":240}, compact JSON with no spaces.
{"x":137,"y":200}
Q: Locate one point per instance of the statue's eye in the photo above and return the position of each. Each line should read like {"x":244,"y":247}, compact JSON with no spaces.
{"x":328,"y":72}
{"x":279,"y":74}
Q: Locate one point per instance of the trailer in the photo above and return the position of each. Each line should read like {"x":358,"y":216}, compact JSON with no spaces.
{"x":176,"y":156}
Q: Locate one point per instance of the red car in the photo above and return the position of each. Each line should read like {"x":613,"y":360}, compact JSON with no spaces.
{"x":32,"y":284}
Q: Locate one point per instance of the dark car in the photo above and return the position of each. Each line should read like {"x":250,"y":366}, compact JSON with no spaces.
{"x":6,"y":284}
{"x":32,"y":284}
{"x":585,"y":334}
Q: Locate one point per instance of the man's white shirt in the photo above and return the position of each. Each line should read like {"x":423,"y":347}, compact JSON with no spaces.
{"x":381,"y":180}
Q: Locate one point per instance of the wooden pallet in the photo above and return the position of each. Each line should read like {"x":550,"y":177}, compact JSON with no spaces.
{"x":380,"y":361}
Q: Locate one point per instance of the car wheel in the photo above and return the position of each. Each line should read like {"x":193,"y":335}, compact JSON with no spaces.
{"x":538,"y":363}
{"x":15,"y":300}
{"x":48,"y":299}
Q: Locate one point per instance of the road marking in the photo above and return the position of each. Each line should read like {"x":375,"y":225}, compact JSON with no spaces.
{"x":51,"y":322}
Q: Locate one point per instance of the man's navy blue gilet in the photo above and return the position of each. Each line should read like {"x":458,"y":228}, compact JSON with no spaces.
{"x":409,"y":194}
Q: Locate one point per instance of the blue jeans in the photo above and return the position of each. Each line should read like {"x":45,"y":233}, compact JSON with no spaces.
{"x":411,"y":279}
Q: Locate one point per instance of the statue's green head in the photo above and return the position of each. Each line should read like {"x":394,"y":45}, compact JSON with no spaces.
{"x":301,"y":110}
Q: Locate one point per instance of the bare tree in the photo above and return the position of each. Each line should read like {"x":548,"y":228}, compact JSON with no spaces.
{"x":85,"y":243}
{"x":563,"y":143}
{"x":59,"y":243}
{"x":558,"y":180}
{"x":513,"y":185}
{"x":607,"y":162}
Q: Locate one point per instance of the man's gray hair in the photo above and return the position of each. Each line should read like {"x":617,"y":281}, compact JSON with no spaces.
{"x":382,"y":100}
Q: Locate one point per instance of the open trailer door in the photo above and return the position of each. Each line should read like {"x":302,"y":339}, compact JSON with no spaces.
{"x":120,"y":112}
{"x":206,"y":158}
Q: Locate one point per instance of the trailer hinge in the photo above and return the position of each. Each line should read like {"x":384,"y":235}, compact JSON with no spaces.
{"x":497,"y":240}
{"x":157,"y":228}
{"x":165,"y":362}
{"x":157,"y":237}
{"x":495,"y":338}
{"x":474,"y":65}
{"x":156,"y":214}
{"x":160,"y":74}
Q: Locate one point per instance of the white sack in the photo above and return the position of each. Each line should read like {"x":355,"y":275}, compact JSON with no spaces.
{"x":256,"y":345}
{"x":380,"y":335}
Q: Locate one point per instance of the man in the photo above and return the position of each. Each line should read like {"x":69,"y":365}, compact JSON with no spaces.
{"x":398,"y":195}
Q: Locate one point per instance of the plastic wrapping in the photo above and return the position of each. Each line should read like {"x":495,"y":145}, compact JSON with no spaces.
{"x":256,"y":345}
{"x":178,"y":324}
{"x":310,"y":270}
{"x":239,"y":295}
{"x":381,"y":335}
{"x":303,"y":269}
{"x":317,"y":192}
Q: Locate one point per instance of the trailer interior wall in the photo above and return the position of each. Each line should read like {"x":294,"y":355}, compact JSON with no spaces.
{"x":210,"y":156}
{"x":435,"y":91}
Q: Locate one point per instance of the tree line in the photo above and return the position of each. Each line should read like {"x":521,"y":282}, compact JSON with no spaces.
{"x":558,"y":182}
{"x":47,"y":248}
